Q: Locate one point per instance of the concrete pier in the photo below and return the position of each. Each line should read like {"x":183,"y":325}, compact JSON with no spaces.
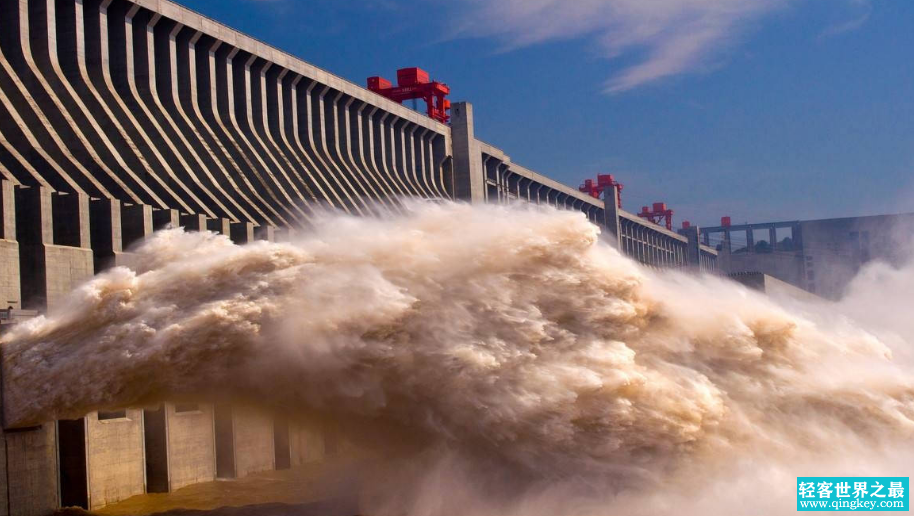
{"x":115,"y":452}
{"x":253,"y":440}
{"x":10,"y":290}
{"x":31,"y":470}
{"x":191,"y":444}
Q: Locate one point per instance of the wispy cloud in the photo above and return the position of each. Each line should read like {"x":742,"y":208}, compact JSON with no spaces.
{"x":862,"y":10}
{"x":673,"y":36}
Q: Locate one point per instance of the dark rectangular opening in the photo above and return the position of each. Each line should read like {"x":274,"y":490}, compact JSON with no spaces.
{"x":225,"y":441}
{"x":71,"y":447}
{"x":133,"y":224}
{"x":491,"y":191}
{"x":241,"y":232}
{"x":162,"y":219}
{"x":155,"y":439}
{"x":66,"y":221}
{"x":102,"y":236}
{"x":31,"y":232}
{"x":281,"y":450}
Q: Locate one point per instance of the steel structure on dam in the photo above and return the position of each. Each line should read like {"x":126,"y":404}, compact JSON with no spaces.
{"x":119,"y":117}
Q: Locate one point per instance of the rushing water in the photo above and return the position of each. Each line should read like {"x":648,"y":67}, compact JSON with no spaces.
{"x":506,"y":359}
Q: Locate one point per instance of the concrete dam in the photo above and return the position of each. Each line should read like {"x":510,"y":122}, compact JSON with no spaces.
{"x":119,"y":118}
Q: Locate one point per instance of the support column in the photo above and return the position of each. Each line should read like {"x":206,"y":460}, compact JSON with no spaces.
{"x":469,"y":181}
{"x":655,"y":249}
{"x":611,"y":215}
{"x":639,"y":234}
{"x":724,"y":256}
{"x":31,"y":458}
{"x":7,"y":211}
{"x":191,"y":443}
{"x":773,"y":238}
{"x":10,"y":293}
{"x":693,"y":252}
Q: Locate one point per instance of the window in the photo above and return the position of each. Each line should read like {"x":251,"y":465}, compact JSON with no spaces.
{"x":186,"y":407}
{"x":112,"y":414}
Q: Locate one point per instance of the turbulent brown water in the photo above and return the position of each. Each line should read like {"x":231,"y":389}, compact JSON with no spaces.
{"x":533,"y":369}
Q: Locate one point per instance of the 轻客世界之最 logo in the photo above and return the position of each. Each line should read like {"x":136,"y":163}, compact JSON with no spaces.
{"x":853,"y":494}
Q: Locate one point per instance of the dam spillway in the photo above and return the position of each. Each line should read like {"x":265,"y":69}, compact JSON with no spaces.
{"x":121,"y":117}
{"x":164,"y":111}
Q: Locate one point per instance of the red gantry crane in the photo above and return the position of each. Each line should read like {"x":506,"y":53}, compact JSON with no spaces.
{"x":657,"y":213}
{"x":413,"y":83}
{"x":604,"y":181}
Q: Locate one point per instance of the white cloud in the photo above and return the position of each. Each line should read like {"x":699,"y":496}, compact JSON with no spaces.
{"x":863,"y":10}
{"x":674,"y":36}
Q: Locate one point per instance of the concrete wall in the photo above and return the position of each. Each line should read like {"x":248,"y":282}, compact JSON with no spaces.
{"x":826,"y":254}
{"x":191,"y":448}
{"x":785,"y":265}
{"x":115,"y":458}
{"x":306,"y":442}
{"x":834,"y":250}
{"x":773,"y":286}
{"x":10,"y":293}
{"x":31,"y":470}
{"x":253,"y":440}
{"x":9,"y":274}
{"x":66,"y":268}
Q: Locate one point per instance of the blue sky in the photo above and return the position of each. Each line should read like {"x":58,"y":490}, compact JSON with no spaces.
{"x":757,"y":109}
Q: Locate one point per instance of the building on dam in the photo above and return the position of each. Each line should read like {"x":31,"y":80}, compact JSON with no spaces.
{"x":121,"y":117}
{"x":819,"y":256}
